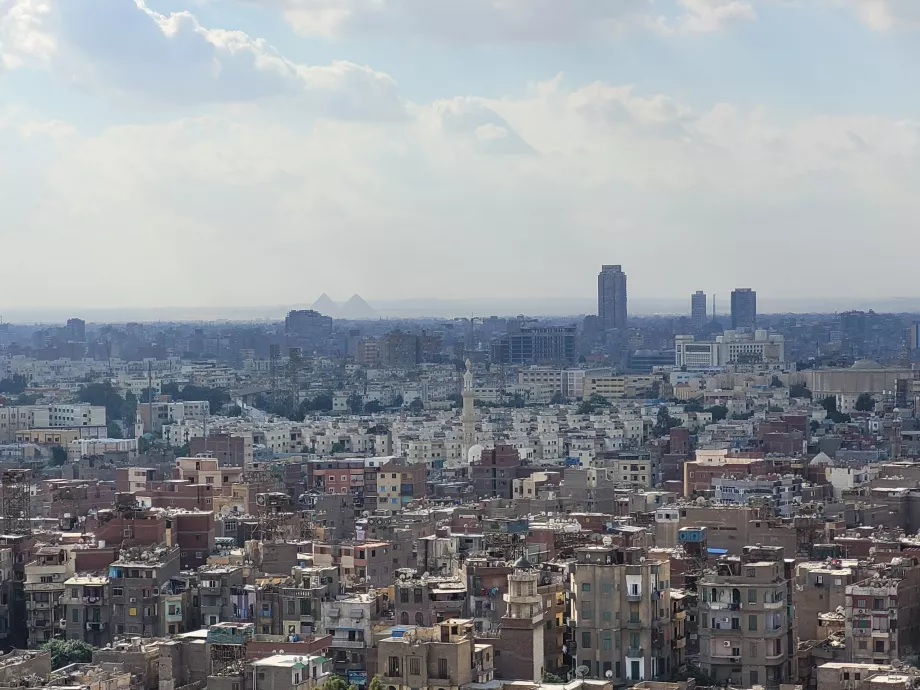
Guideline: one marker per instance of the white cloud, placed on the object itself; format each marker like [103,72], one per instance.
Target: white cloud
[502,20]
[884,15]
[528,194]
[23,35]
[126,46]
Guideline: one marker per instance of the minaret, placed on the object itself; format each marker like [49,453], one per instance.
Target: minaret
[468,418]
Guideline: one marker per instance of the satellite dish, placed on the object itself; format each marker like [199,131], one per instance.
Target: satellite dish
[607,541]
[582,671]
[260,500]
[609,674]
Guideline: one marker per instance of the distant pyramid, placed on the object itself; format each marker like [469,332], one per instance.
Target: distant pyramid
[357,309]
[324,305]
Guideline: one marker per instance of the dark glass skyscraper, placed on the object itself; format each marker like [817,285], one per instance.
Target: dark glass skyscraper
[744,309]
[611,296]
[698,308]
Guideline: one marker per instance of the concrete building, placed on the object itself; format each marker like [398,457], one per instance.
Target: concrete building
[45,579]
[820,588]
[426,601]
[136,579]
[732,347]
[289,672]
[747,628]
[783,492]
[744,309]
[881,613]
[621,613]
[88,418]
[528,342]
[88,609]
[443,657]
[611,296]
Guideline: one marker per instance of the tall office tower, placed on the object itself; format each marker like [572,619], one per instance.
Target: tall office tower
[611,296]
[698,312]
[744,308]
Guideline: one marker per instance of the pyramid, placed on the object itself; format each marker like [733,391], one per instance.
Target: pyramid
[325,306]
[357,309]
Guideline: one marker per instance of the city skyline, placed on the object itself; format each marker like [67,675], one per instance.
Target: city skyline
[221,141]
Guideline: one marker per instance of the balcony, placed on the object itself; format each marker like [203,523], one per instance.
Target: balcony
[92,601]
[635,652]
[774,605]
[95,626]
[339,643]
[632,624]
[634,596]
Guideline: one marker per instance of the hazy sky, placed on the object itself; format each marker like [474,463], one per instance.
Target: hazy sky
[233,152]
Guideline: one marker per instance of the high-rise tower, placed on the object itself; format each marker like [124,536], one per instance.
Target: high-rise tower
[698,308]
[611,296]
[744,309]
[468,418]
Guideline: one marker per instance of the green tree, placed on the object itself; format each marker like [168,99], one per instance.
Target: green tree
[15,385]
[355,403]
[664,422]
[114,430]
[66,652]
[557,399]
[718,412]
[586,407]
[26,399]
[865,403]
[337,447]
[376,683]
[335,683]
[416,406]
[695,405]
[552,678]
[322,403]
[372,407]
[398,401]
[830,405]
[599,401]
[58,456]
[776,383]
[799,390]
[103,395]
[234,411]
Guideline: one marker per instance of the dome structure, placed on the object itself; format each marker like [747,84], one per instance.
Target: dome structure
[522,564]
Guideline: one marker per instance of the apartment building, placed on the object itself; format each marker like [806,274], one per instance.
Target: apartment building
[216,586]
[442,657]
[759,347]
[350,621]
[90,418]
[746,624]
[820,588]
[137,579]
[426,601]
[152,417]
[45,579]
[399,483]
[881,613]
[290,672]
[621,613]
[88,609]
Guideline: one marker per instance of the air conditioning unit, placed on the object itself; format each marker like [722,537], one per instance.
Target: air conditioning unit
[726,643]
[132,600]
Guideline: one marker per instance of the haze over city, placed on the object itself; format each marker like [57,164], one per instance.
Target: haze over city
[250,154]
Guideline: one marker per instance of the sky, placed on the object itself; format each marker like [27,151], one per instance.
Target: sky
[253,152]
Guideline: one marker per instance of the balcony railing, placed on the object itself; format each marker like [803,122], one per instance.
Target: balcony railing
[635,651]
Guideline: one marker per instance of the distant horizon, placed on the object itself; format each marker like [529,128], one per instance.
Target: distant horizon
[434,308]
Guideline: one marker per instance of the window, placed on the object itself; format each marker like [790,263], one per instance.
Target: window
[878,604]
[442,668]
[419,618]
[418,595]
[75,616]
[606,638]
[879,645]
[404,618]
[754,678]
[606,615]
[393,666]
[585,586]
[752,649]
[752,622]
[586,639]
[415,666]
[634,640]
[752,596]
[404,596]
[607,588]
[586,609]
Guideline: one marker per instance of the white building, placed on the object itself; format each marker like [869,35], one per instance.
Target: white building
[730,348]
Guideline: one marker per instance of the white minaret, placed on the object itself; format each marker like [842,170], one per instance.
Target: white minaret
[469,413]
